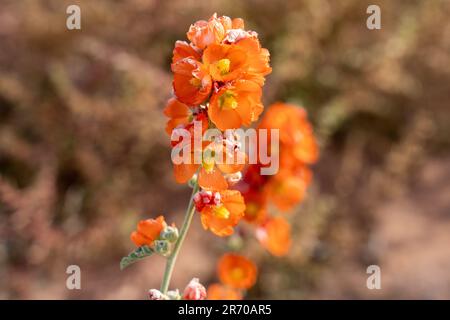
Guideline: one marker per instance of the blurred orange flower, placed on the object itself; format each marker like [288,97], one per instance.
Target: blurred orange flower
[148,231]
[222,213]
[255,207]
[217,291]
[296,135]
[235,104]
[275,236]
[236,271]
[287,188]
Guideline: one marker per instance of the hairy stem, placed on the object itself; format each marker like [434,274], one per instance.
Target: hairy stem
[176,249]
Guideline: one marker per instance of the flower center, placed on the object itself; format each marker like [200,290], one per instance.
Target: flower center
[208,162]
[237,273]
[228,101]
[223,66]
[221,212]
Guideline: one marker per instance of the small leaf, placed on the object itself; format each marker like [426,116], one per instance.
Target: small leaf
[136,255]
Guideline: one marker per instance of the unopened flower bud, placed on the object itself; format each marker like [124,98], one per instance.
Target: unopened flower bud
[170,234]
[162,247]
[194,291]
[154,294]
[206,198]
[173,295]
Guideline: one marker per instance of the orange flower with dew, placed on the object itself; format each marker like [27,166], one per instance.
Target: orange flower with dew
[235,104]
[220,211]
[287,189]
[275,236]
[204,33]
[148,231]
[191,82]
[183,50]
[217,291]
[296,134]
[236,271]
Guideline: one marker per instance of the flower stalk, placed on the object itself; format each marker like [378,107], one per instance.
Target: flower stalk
[172,258]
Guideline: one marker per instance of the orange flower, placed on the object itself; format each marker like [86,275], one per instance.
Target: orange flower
[183,50]
[221,212]
[191,83]
[275,236]
[236,271]
[210,175]
[181,115]
[257,58]
[148,231]
[225,62]
[204,33]
[286,189]
[217,291]
[296,135]
[178,112]
[235,104]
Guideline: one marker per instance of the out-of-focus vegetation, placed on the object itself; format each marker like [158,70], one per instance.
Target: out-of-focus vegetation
[83,153]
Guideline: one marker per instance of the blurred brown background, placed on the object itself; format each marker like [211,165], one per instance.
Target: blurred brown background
[84,156]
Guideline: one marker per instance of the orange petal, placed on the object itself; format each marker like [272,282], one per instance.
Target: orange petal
[219,226]
[139,239]
[183,172]
[234,166]
[234,202]
[176,109]
[183,50]
[212,181]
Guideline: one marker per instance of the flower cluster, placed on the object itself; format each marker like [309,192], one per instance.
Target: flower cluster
[236,274]
[297,149]
[217,86]
[217,81]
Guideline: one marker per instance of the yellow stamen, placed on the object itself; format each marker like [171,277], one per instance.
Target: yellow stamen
[223,66]
[221,212]
[228,101]
[208,164]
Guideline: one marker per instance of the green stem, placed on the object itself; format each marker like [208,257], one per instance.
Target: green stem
[176,249]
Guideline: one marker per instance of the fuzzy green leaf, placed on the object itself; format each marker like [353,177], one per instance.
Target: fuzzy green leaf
[138,254]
